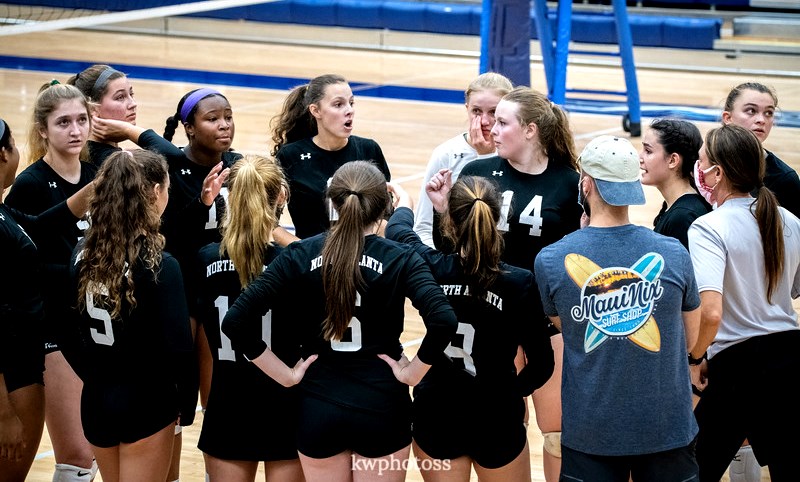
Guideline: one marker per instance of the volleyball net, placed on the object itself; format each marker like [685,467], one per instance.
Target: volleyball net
[43,15]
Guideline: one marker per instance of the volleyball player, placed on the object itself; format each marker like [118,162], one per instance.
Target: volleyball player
[241,395]
[752,105]
[197,198]
[22,311]
[129,339]
[60,128]
[480,100]
[670,149]
[469,408]
[198,193]
[347,288]
[114,114]
[536,174]
[312,138]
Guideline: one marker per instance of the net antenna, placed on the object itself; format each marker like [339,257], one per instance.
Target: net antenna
[14,23]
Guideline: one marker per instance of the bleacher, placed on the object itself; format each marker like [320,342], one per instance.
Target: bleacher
[463,17]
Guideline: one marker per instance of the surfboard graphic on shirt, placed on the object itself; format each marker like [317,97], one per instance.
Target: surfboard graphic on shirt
[618,301]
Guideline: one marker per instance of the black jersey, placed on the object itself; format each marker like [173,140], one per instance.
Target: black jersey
[309,169]
[538,209]
[241,394]
[784,182]
[99,151]
[675,221]
[490,326]
[21,305]
[148,346]
[348,372]
[188,224]
[35,190]
[217,290]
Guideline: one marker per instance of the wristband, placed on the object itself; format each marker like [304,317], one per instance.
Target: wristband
[696,361]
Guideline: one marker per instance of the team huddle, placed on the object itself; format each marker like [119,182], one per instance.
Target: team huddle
[169,276]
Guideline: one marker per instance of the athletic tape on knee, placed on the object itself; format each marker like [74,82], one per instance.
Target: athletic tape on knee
[552,443]
[72,473]
[744,466]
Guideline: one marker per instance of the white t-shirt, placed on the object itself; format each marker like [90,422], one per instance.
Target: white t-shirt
[453,154]
[726,250]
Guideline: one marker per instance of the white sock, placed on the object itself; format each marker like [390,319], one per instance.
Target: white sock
[72,473]
[744,467]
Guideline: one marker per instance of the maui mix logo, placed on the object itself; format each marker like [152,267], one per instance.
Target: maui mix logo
[618,301]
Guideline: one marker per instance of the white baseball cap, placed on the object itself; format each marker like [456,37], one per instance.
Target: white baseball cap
[614,165]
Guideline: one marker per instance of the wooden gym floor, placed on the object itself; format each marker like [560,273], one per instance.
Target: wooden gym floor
[407,131]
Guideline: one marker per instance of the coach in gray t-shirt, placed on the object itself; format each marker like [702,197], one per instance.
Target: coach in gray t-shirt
[626,301]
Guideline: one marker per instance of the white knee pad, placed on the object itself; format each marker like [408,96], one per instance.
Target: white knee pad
[552,443]
[72,473]
[178,429]
[744,467]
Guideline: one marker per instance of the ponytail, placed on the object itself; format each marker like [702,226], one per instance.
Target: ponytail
[257,186]
[359,194]
[471,224]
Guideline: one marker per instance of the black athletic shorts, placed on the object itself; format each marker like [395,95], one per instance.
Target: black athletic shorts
[125,413]
[487,427]
[326,429]
[249,417]
[25,360]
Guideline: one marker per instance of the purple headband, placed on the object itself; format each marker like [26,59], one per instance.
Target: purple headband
[193,99]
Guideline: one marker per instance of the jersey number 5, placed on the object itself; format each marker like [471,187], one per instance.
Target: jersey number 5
[105,337]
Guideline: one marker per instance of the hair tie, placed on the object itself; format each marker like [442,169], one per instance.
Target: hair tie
[476,200]
[193,99]
[101,82]
[353,193]
[54,82]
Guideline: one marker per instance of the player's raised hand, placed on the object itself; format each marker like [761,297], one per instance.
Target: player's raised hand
[482,142]
[400,197]
[112,130]
[438,189]
[213,183]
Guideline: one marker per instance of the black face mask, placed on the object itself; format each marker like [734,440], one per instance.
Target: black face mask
[582,198]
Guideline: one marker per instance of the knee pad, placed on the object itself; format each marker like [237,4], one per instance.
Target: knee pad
[552,443]
[72,473]
[744,466]
[178,429]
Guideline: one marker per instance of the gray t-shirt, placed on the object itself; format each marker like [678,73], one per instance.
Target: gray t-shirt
[620,293]
[727,255]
